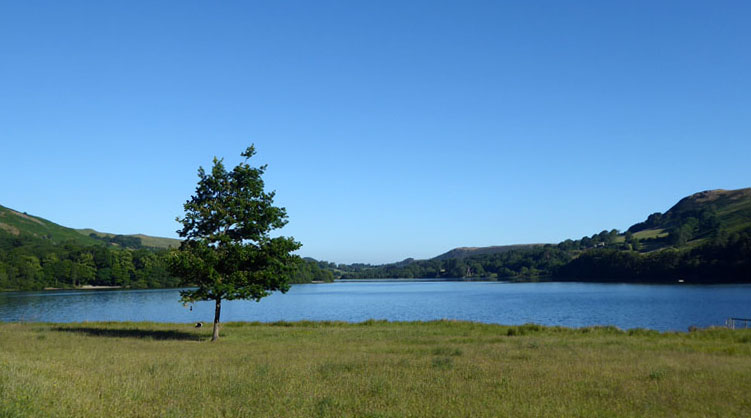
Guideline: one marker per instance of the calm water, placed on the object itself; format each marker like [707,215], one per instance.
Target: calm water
[569,304]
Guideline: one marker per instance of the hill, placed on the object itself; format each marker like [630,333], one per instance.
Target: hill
[705,237]
[14,223]
[731,208]
[696,218]
[36,253]
[132,240]
[464,252]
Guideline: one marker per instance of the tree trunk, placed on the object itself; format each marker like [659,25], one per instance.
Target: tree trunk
[217,311]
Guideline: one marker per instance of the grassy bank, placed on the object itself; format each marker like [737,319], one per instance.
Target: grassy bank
[370,369]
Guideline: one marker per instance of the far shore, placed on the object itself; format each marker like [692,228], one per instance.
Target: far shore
[92,287]
[84,287]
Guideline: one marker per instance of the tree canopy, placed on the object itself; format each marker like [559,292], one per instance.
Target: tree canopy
[227,251]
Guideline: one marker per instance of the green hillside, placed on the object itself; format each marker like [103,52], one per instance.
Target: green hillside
[14,223]
[464,252]
[733,207]
[37,254]
[696,218]
[131,240]
[705,237]
[691,221]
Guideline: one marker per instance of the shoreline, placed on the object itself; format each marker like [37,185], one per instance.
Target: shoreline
[516,329]
[418,280]
[92,287]
[84,287]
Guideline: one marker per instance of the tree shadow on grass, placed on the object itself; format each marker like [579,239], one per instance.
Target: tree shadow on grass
[132,333]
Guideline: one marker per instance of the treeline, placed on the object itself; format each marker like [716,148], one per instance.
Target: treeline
[124,241]
[30,263]
[723,259]
[603,257]
[310,271]
[523,264]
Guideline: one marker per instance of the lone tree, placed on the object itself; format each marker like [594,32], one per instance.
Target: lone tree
[227,252]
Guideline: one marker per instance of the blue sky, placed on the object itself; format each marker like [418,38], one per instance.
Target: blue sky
[391,129]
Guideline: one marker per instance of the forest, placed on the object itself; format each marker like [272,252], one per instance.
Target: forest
[30,263]
[724,258]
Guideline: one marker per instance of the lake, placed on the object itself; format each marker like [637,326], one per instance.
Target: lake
[660,307]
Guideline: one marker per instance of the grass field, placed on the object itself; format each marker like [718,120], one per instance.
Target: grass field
[651,233]
[370,369]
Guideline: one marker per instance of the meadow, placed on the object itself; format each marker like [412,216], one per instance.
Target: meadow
[373,369]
